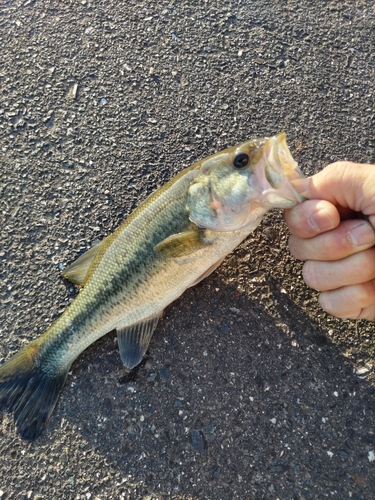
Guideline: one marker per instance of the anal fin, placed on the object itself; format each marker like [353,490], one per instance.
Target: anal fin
[76,272]
[133,340]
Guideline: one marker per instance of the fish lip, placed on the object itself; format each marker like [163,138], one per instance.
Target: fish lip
[273,173]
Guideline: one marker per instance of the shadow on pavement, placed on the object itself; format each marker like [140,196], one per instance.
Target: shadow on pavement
[231,402]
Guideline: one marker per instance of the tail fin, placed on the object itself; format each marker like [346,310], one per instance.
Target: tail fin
[29,391]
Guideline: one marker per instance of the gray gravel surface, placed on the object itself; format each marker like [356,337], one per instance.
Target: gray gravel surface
[249,390]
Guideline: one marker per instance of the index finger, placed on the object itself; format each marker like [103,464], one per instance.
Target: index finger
[311,218]
[346,184]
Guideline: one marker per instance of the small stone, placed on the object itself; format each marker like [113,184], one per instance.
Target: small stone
[209,428]
[72,94]
[240,52]
[235,310]
[362,371]
[371,456]
[198,441]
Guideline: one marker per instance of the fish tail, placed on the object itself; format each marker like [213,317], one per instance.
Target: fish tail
[30,390]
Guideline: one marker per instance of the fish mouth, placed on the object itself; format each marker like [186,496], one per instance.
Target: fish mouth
[273,173]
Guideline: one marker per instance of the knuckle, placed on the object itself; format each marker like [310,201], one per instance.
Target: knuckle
[337,165]
[366,293]
[294,246]
[338,169]
[310,274]
[332,302]
[367,313]
[326,303]
[295,218]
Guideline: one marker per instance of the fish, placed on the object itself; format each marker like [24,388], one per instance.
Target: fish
[177,237]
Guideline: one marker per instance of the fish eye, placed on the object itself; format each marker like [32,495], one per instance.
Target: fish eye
[241,160]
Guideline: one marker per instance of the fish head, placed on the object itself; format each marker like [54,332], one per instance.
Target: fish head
[233,189]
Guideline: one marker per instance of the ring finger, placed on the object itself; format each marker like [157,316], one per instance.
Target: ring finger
[357,268]
[352,302]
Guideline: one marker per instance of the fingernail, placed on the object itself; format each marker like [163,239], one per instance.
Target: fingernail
[361,235]
[321,221]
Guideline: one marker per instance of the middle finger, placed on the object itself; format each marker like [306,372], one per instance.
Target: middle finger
[350,237]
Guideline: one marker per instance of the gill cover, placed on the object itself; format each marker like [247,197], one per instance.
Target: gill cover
[236,187]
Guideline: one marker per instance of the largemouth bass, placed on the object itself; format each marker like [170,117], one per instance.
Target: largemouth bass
[174,239]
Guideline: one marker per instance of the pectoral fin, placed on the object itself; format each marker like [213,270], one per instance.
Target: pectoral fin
[181,244]
[133,341]
[76,272]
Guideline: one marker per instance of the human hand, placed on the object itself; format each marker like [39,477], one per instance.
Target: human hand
[333,232]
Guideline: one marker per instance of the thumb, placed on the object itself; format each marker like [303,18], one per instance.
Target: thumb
[347,184]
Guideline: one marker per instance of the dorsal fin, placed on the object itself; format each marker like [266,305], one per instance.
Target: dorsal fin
[133,340]
[76,272]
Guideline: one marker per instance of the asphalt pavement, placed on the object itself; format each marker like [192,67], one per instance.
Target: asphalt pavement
[249,390]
